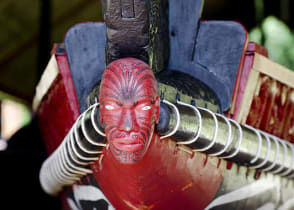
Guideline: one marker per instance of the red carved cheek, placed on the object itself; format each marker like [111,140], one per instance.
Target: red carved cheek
[109,119]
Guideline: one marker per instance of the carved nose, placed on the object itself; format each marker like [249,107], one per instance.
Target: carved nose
[127,125]
[127,121]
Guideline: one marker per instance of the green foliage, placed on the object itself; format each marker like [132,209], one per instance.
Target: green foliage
[278,39]
[25,115]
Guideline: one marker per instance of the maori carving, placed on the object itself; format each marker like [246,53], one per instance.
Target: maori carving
[140,148]
[129,108]
[127,29]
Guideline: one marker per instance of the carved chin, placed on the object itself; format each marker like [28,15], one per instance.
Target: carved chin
[127,157]
[128,153]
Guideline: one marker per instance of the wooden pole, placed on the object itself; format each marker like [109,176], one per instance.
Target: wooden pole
[44,36]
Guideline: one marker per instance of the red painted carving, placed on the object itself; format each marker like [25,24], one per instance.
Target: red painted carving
[165,178]
[162,178]
[129,108]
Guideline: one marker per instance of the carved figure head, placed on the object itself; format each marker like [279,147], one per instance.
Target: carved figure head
[129,108]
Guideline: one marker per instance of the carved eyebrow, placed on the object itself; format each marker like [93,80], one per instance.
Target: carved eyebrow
[143,101]
[145,96]
[112,100]
[118,103]
[110,96]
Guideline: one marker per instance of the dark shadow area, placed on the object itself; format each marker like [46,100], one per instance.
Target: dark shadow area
[20,164]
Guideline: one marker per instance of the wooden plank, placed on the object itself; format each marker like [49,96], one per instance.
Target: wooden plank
[252,47]
[273,70]
[48,77]
[248,96]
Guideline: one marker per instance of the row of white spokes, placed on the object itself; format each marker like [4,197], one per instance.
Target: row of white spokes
[78,150]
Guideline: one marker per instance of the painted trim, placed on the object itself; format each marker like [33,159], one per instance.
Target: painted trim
[47,79]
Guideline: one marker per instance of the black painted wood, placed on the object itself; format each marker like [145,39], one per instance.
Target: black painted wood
[159,35]
[127,29]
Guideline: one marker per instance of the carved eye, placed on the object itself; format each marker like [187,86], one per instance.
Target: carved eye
[109,107]
[146,108]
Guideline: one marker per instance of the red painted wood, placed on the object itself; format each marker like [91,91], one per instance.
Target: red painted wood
[245,71]
[166,178]
[239,72]
[260,102]
[59,108]
[254,47]
[64,69]
[274,110]
[288,128]
[271,109]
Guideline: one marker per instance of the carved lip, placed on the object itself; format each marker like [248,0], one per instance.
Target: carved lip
[127,144]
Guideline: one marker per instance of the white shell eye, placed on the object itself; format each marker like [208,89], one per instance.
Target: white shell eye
[109,107]
[146,108]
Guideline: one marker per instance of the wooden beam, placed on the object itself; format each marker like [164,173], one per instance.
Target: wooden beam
[273,70]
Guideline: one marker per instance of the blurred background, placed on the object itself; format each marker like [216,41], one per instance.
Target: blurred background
[30,27]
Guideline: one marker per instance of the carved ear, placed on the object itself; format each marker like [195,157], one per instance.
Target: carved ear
[157,109]
[164,118]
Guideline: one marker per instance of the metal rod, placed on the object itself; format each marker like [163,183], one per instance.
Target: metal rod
[225,138]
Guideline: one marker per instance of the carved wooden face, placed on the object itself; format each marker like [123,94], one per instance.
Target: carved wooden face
[129,108]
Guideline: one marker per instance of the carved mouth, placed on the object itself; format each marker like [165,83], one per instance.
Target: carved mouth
[127,147]
[128,143]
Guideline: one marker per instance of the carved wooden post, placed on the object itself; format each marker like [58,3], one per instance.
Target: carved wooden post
[127,31]
[136,28]
[159,39]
